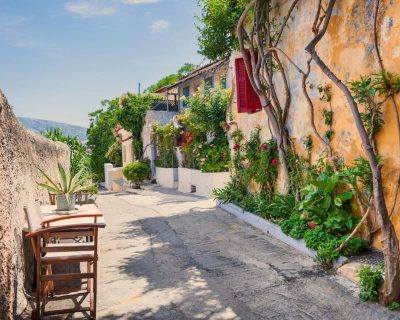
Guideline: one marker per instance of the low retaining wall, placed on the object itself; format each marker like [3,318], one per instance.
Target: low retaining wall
[167,177]
[202,182]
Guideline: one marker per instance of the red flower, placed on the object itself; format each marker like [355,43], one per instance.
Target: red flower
[236,147]
[264,147]
[274,161]
[312,225]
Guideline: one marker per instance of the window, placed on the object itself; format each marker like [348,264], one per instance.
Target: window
[185,94]
[222,82]
[209,83]
[247,99]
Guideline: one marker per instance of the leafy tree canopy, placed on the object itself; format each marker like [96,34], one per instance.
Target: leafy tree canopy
[101,135]
[78,157]
[216,27]
[172,78]
[132,115]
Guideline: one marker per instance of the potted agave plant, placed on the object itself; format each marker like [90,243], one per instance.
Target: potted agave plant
[66,188]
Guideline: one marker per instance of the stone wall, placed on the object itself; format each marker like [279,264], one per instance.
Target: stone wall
[348,49]
[21,152]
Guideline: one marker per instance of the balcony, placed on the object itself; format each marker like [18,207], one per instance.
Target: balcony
[165,105]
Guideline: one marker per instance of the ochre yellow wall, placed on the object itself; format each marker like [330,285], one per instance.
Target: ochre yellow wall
[348,49]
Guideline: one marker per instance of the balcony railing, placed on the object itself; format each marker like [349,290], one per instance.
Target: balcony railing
[163,105]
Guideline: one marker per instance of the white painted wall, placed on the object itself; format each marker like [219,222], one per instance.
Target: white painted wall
[167,177]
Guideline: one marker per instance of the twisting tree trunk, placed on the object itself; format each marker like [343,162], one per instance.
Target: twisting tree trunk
[391,287]
[258,48]
[392,98]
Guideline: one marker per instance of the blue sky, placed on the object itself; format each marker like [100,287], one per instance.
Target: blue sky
[60,58]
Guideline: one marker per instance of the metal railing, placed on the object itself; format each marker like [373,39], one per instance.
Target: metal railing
[164,105]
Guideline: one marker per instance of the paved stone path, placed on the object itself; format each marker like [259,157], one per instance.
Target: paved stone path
[166,255]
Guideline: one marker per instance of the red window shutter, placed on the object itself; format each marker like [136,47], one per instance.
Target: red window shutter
[247,98]
[241,84]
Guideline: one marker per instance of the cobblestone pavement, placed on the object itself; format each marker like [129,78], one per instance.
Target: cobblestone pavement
[167,255]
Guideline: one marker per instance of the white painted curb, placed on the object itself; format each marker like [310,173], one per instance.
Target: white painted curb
[267,227]
[275,231]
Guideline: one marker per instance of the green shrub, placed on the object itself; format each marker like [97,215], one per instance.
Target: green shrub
[294,226]
[354,246]
[282,206]
[340,222]
[394,306]
[326,252]
[371,279]
[233,192]
[136,172]
[248,203]
[321,199]
[164,138]
[315,237]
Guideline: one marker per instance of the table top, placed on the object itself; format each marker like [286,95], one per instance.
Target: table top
[49,212]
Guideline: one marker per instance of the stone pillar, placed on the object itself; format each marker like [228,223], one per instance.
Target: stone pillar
[107,175]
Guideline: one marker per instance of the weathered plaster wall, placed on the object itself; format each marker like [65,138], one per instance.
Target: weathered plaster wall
[21,152]
[348,50]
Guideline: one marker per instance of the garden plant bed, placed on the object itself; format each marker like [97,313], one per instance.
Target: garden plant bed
[274,230]
[167,177]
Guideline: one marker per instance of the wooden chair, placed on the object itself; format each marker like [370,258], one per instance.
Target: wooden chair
[48,250]
[52,198]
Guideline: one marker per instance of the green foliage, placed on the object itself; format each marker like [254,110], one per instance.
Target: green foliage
[261,162]
[394,306]
[164,138]
[366,92]
[317,236]
[308,143]
[101,136]
[354,246]
[172,78]
[131,117]
[217,24]
[79,156]
[67,184]
[325,93]
[294,226]
[327,253]
[339,221]
[136,171]
[248,203]
[114,154]
[360,172]
[278,208]
[328,116]
[371,279]
[322,199]
[233,192]
[206,146]
[213,156]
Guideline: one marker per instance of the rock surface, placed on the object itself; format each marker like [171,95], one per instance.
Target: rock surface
[21,152]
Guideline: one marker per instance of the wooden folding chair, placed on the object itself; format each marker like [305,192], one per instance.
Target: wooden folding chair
[49,251]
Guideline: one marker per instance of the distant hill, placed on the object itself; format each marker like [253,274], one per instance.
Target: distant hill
[38,125]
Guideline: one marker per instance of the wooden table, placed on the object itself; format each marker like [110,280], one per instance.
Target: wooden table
[49,212]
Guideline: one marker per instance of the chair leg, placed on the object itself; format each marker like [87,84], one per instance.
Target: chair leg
[95,288]
[38,288]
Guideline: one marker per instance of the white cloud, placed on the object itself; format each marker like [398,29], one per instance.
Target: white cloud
[89,9]
[159,25]
[139,1]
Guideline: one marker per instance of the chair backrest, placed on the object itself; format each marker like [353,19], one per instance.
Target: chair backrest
[52,198]
[34,217]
